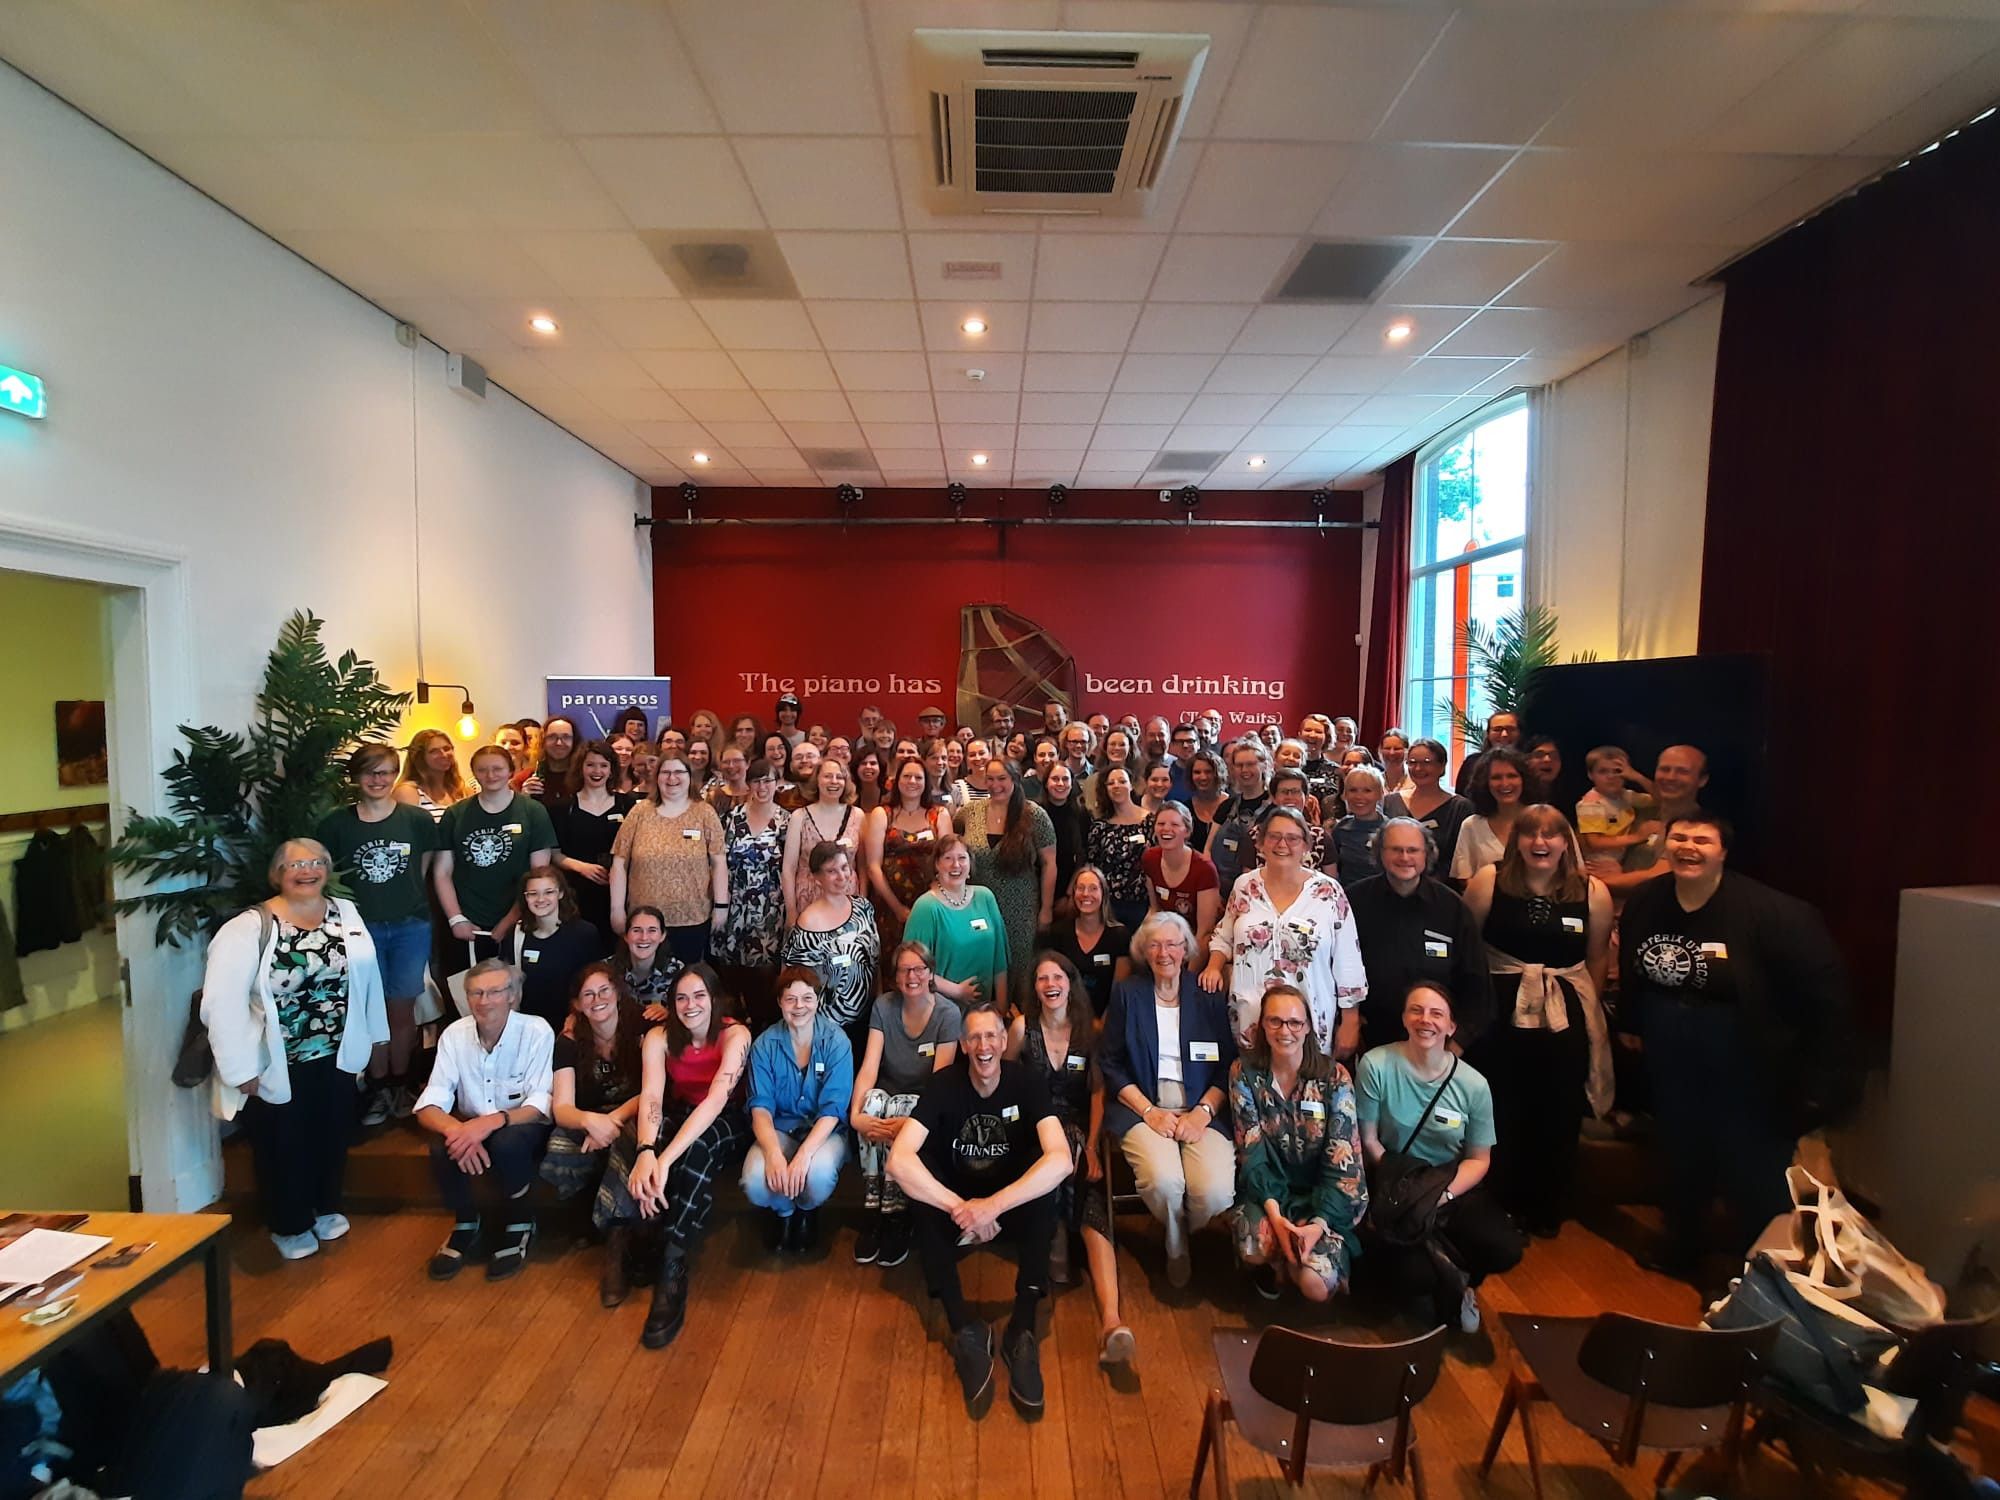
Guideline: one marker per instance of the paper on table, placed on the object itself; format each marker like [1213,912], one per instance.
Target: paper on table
[42,1253]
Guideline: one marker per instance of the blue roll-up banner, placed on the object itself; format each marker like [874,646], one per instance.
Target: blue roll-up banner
[594,703]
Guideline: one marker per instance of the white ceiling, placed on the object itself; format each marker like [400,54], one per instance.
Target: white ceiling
[1561,169]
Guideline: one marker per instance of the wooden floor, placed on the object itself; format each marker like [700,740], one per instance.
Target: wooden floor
[822,1377]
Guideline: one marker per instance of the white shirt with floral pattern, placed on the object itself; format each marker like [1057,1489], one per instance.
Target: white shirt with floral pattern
[1311,944]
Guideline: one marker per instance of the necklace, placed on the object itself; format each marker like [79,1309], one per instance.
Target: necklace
[956,903]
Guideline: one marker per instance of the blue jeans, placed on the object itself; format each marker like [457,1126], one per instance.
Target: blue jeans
[820,1176]
[402,950]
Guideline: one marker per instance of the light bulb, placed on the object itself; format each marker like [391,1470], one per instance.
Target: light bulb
[979,459]
[468,727]
[542,323]
[974,325]
[1400,331]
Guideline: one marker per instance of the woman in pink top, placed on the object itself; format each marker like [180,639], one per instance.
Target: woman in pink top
[1181,879]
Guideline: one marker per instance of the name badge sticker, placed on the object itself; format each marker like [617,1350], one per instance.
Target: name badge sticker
[1010,1112]
[513,828]
[1229,844]
[1074,1062]
[1135,838]
[1435,949]
[690,833]
[1572,924]
[927,1049]
[842,960]
[400,848]
[1314,1108]
[532,956]
[1166,892]
[819,1068]
[1450,1119]
[1103,960]
[924,836]
[1715,950]
[614,817]
[979,924]
[1204,1052]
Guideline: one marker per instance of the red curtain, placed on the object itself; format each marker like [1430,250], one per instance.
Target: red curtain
[1389,610]
[1853,528]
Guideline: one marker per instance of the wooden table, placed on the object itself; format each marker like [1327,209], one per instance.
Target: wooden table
[179,1239]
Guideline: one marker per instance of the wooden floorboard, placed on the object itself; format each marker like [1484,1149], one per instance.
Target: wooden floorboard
[815,1376]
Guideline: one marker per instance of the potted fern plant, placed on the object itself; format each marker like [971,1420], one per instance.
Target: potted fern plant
[235,797]
[1504,659]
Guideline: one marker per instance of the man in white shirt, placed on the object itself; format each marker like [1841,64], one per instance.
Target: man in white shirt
[488,1103]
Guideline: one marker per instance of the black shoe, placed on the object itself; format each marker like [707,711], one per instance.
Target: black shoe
[642,1263]
[777,1231]
[613,1284]
[1545,1229]
[511,1254]
[868,1244]
[669,1310]
[1024,1372]
[456,1250]
[1266,1281]
[791,1233]
[895,1240]
[972,1353]
[805,1231]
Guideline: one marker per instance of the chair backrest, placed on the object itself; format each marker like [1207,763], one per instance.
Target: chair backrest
[1347,1384]
[1670,1365]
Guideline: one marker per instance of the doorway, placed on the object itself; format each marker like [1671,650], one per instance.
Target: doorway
[62,1066]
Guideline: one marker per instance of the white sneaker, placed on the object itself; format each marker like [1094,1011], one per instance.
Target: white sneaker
[296,1246]
[1180,1269]
[376,1112]
[330,1226]
[1468,1311]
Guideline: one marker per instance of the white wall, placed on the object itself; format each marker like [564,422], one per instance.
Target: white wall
[219,406]
[1621,492]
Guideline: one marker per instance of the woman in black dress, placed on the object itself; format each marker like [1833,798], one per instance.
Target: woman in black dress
[586,825]
[1547,929]
[1091,938]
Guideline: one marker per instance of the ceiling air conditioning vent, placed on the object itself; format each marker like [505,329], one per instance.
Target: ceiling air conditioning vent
[1340,271]
[1052,122]
[1185,461]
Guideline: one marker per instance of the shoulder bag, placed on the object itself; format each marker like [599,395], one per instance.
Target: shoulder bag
[1403,1199]
[194,1063]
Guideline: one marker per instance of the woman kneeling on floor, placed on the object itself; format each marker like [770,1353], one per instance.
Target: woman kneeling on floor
[801,1084]
[1300,1188]
[694,1066]
[595,1098]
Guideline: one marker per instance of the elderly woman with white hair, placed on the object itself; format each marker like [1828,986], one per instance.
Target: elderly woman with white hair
[1165,1053]
[293,1004]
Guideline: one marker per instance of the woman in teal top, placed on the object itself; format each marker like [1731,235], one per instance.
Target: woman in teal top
[1300,1187]
[960,923]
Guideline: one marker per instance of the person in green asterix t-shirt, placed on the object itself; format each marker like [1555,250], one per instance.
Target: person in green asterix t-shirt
[490,842]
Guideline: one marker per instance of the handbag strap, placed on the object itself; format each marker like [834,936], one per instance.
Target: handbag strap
[1839,1370]
[1417,1129]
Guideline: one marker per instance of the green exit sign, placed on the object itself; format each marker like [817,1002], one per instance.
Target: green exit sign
[22,394]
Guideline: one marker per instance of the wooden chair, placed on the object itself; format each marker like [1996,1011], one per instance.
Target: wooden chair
[1631,1384]
[1117,1201]
[1316,1403]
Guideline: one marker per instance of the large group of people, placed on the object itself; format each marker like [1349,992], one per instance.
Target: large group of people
[1351,1006]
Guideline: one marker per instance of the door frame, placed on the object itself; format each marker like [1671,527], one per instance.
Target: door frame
[171,1135]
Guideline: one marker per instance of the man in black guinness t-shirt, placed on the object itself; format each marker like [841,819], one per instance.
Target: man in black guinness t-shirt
[1741,999]
[982,1157]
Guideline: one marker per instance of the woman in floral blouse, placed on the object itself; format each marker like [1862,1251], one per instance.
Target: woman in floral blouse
[753,837]
[1300,1188]
[1289,924]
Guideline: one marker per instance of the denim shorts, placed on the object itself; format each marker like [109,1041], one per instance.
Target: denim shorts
[402,952]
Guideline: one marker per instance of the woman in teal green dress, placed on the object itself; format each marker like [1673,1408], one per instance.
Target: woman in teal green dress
[960,924]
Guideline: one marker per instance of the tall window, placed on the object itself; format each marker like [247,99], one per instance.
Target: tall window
[1468,528]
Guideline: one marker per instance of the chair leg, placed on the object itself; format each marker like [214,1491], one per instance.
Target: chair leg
[1417,1474]
[1368,1484]
[1509,1399]
[1667,1466]
[1201,1444]
[1534,1449]
[1223,1488]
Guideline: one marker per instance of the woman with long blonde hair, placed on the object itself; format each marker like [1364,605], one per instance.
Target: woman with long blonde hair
[431,776]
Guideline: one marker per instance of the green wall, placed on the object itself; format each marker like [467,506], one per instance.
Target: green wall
[51,646]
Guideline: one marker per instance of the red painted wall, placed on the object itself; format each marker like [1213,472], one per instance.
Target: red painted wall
[850,616]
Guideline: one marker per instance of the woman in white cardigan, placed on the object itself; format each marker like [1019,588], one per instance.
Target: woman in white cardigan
[293,1005]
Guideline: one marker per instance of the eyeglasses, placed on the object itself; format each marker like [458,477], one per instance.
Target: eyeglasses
[1285,840]
[296,865]
[910,971]
[1284,1023]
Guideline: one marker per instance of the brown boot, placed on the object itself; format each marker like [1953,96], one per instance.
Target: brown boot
[611,1283]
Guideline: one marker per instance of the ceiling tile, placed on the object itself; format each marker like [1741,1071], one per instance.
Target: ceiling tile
[892,406]
[1163,372]
[520,182]
[1097,267]
[1391,411]
[640,405]
[1072,406]
[1207,435]
[724,406]
[1015,254]
[1602,275]
[1144,408]
[1229,408]
[649,323]
[992,437]
[894,371]
[943,326]
[866,325]
[471,264]
[824,434]
[906,435]
[1081,327]
[1110,479]
[953,372]
[601,69]
[666,435]
[1316,411]
[1132,437]
[808,183]
[807,405]
[1370,335]
[1342,375]
[1273,438]
[847,264]
[1293,330]
[1221,268]
[1443,375]
[820,81]
[1052,435]
[752,324]
[1494,78]
[1320,73]
[612,264]
[692,370]
[668,183]
[1267,184]
[1274,373]
[976,406]
[1465,272]
[1188,327]
[1408,190]
[744,438]
[928,455]
[1070,372]
[1617,195]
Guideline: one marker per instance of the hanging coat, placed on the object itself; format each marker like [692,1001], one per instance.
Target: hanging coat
[44,895]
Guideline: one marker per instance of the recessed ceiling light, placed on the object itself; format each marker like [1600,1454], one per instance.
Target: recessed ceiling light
[974,325]
[1400,331]
[979,458]
[1256,463]
[701,458]
[543,323]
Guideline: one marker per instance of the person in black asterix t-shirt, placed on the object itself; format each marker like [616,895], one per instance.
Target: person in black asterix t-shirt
[1741,999]
[982,1157]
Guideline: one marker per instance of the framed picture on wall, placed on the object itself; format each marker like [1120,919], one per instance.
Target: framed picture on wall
[81,756]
